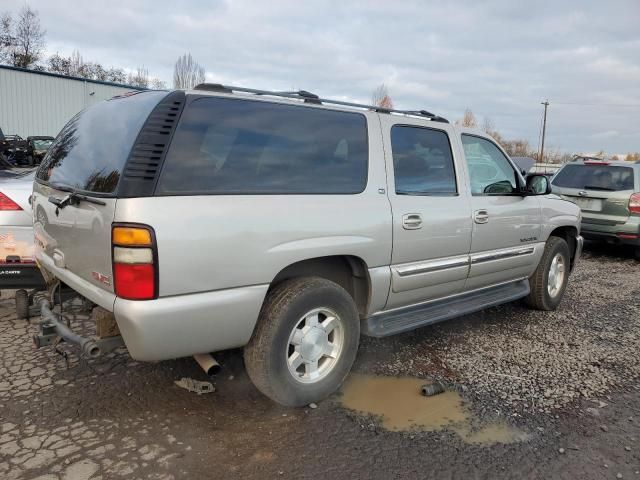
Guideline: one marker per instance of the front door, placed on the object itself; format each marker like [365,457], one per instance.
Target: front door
[431,212]
[506,225]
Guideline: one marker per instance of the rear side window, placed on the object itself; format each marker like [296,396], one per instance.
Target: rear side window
[609,178]
[89,153]
[230,146]
[422,161]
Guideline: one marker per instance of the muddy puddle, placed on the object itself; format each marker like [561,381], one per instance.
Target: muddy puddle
[400,406]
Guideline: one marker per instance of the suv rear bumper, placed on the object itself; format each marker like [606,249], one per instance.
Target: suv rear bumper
[627,233]
[174,326]
[180,326]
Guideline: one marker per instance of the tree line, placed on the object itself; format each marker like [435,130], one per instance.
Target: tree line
[22,44]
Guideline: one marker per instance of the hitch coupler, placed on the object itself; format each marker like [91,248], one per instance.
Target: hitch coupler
[52,327]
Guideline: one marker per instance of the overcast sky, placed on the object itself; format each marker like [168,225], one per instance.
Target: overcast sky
[499,58]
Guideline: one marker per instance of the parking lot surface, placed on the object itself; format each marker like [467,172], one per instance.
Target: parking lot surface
[530,395]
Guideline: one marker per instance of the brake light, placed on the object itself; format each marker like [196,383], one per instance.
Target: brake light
[595,162]
[7,204]
[634,203]
[134,262]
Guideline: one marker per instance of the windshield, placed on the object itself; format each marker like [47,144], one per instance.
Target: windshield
[609,178]
[42,144]
[90,152]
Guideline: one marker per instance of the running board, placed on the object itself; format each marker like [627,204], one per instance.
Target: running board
[415,316]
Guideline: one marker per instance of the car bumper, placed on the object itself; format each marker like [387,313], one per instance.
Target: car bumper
[175,326]
[627,233]
[180,326]
[20,275]
[618,239]
[17,266]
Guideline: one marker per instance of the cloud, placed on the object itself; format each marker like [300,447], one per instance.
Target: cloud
[500,58]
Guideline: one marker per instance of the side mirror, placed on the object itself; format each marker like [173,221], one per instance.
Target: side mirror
[538,185]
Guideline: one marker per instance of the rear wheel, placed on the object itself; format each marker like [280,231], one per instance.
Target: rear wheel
[549,281]
[305,341]
[637,253]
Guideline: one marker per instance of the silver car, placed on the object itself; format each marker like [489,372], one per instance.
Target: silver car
[18,269]
[287,224]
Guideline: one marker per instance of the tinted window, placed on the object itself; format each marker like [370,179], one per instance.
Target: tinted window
[595,177]
[229,146]
[422,161]
[89,153]
[490,171]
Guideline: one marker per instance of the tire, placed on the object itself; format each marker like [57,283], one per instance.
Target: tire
[637,253]
[273,351]
[544,296]
[22,304]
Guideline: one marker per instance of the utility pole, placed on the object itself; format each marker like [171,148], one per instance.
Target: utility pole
[544,129]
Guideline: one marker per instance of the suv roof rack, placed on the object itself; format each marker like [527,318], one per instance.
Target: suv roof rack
[309,97]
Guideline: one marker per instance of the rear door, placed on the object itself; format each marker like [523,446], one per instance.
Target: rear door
[601,191]
[506,225]
[431,211]
[88,157]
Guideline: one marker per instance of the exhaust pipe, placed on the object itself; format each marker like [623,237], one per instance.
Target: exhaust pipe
[89,347]
[208,363]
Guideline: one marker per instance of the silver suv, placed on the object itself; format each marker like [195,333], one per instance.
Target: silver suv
[287,224]
[608,192]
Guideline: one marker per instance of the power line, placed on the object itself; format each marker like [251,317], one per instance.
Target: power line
[581,104]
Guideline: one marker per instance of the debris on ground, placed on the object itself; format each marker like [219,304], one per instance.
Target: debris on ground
[195,386]
[431,389]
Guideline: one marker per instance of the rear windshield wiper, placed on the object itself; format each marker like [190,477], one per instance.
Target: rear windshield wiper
[73,197]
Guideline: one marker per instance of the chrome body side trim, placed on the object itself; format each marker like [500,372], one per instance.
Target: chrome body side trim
[432,266]
[500,254]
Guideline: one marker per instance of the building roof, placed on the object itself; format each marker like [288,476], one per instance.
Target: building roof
[66,77]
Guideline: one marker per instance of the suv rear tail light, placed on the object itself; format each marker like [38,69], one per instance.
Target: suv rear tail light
[634,203]
[7,204]
[135,269]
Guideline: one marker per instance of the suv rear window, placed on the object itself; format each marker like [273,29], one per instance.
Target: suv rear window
[231,146]
[89,153]
[595,177]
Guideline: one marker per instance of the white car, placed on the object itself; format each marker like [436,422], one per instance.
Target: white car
[18,269]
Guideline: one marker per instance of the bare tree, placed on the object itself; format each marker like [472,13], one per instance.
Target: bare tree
[6,37]
[140,78]
[76,65]
[187,73]
[381,98]
[157,84]
[487,125]
[28,39]
[468,120]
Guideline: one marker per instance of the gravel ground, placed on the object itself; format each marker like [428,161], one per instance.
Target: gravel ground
[569,380]
[536,362]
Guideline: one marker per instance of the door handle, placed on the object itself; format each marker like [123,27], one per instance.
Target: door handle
[411,221]
[481,216]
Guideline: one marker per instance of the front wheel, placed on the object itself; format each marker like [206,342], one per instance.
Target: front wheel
[305,341]
[549,281]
